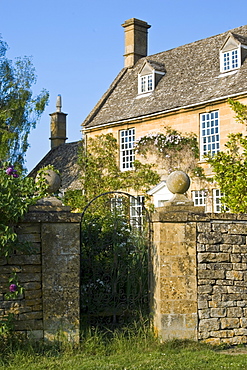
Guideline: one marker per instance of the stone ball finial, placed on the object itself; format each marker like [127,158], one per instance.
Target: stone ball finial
[178,182]
[53,180]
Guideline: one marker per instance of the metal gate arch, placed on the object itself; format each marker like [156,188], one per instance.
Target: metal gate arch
[115,260]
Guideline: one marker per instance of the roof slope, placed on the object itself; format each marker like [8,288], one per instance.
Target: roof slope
[192,77]
[64,158]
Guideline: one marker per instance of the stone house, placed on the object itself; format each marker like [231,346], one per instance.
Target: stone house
[186,88]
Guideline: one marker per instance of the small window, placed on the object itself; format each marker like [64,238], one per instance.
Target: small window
[199,197]
[149,76]
[216,200]
[232,52]
[146,83]
[230,60]
[136,211]
[209,133]
[218,206]
[127,153]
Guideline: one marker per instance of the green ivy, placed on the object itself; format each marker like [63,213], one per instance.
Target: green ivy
[173,150]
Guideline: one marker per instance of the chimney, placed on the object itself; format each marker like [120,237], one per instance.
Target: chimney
[58,125]
[135,41]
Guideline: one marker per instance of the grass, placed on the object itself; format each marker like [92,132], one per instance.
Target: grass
[128,349]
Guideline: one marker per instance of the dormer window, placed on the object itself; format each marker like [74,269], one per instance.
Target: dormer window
[146,83]
[231,60]
[232,53]
[149,76]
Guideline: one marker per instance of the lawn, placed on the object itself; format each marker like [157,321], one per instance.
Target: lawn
[119,351]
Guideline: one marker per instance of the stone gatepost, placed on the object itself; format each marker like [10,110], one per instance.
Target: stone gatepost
[60,258]
[60,261]
[174,263]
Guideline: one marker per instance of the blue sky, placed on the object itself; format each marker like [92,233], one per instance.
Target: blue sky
[77,46]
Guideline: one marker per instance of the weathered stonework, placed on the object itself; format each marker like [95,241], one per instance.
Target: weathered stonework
[222,279]
[200,279]
[175,286]
[49,274]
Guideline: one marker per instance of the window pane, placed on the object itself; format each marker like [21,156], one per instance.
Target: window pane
[211,134]
[127,155]
[199,197]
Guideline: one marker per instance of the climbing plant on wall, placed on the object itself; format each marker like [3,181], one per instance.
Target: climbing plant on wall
[174,151]
[100,172]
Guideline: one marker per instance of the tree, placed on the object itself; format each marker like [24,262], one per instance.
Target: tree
[100,172]
[19,109]
[19,112]
[230,166]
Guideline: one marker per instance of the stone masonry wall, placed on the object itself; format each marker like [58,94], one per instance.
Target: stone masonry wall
[49,274]
[28,308]
[200,276]
[222,279]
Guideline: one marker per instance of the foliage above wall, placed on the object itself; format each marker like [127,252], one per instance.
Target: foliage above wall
[17,193]
[100,172]
[230,166]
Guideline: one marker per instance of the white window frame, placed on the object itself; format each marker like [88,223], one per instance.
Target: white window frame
[136,210]
[127,152]
[217,206]
[199,197]
[146,83]
[230,60]
[209,133]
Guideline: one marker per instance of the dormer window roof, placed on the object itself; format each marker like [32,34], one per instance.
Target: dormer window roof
[149,76]
[233,52]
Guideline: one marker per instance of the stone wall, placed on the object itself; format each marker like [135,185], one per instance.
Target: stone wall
[50,275]
[200,276]
[28,308]
[222,279]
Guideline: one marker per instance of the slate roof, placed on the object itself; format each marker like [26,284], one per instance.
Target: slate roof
[192,77]
[64,158]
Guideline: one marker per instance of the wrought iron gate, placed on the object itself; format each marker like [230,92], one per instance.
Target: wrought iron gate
[115,238]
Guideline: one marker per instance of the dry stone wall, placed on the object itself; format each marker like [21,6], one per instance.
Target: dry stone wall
[27,308]
[222,279]
[200,275]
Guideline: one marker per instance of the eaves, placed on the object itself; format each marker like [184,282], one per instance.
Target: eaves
[161,114]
